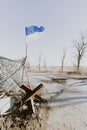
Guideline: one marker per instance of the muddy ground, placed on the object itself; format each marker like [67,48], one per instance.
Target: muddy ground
[66,106]
[25,119]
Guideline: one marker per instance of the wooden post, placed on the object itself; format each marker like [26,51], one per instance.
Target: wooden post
[32,103]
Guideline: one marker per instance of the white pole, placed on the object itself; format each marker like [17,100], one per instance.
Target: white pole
[26,49]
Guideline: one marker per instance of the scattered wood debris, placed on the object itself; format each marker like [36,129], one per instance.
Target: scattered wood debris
[26,113]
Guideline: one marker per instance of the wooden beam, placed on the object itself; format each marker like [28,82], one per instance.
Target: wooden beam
[28,91]
[32,103]
[25,88]
[30,94]
[34,92]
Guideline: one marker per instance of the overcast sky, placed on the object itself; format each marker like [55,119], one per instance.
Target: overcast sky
[64,20]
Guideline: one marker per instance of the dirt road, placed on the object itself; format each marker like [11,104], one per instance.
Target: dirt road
[67,108]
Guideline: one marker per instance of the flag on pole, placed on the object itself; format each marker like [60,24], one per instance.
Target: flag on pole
[33,33]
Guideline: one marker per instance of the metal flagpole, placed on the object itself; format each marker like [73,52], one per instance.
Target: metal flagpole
[26,60]
[25,63]
[26,49]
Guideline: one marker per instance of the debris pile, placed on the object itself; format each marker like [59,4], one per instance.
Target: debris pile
[20,106]
[28,112]
[25,121]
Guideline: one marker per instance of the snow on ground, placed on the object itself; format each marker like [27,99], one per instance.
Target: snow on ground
[67,108]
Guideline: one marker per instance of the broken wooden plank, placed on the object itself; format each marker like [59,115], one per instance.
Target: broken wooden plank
[2,94]
[32,103]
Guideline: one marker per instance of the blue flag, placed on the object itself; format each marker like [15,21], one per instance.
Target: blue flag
[33,29]
[33,32]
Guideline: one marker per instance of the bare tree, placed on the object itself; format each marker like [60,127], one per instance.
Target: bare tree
[39,62]
[44,66]
[63,59]
[80,47]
